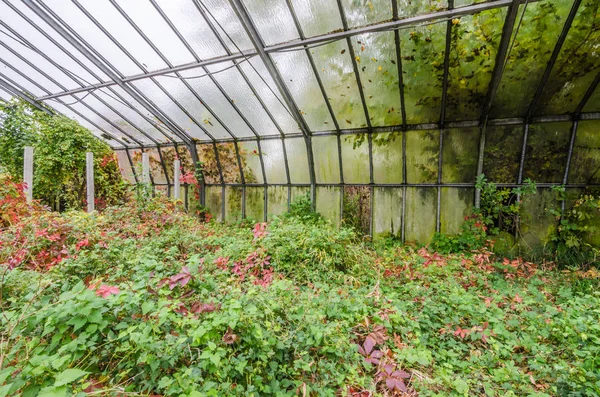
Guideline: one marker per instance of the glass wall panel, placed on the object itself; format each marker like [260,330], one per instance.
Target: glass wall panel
[328,203]
[213,202]
[546,155]
[474,44]
[387,157]
[422,51]
[502,153]
[276,201]
[459,155]
[585,163]
[272,151]
[210,169]
[297,160]
[355,158]
[456,204]
[229,162]
[273,20]
[337,73]
[422,153]
[251,162]
[255,201]
[421,209]
[169,156]
[376,57]
[538,224]
[357,208]
[136,160]
[326,157]
[387,212]
[361,13]
[298,191]
[233,204]
[576,66]
[530,53]
[156,168]
[317,16]
[593,104]
[124,165]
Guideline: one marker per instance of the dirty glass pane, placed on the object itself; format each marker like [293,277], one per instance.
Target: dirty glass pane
[422,51]
[317,16]
[210,169]
[546,155]
[255,209]
[124,165]
[387,157]
[325,153]
[296,71]
[593,104]
[502,153]
[422,152]
[456,204]
[421,209]
[276,200]
[169,156]
[576,66]
[136,160]
[376,58]
[187,165]
[299,191]
[474,44]
[459,155]
[585,163]
[387,212]
[408,8]
[527,61]
[272,150]
[229,162]
[337,73]
[361,13]
[156,168]
[273,20]
[538,224]
[328,203]
[222,11]
[233,204]
[297,160]
[213,202]
[355,158]
[250,158]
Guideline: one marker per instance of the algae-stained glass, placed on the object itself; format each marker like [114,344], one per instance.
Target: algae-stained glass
[459,155]
[355,159]
[502,153]
[326,157]
[585,163]
[546,153]
[422,154]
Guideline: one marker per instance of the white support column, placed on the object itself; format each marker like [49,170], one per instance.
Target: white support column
[176,177]
[28,173]
[89,164]
[145,168]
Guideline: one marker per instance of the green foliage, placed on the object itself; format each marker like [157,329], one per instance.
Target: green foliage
[472,236]
[301,208]
[18,131]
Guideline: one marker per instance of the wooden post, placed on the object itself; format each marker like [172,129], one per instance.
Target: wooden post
[145,168]
[89,165]
[28,173]
[176,177]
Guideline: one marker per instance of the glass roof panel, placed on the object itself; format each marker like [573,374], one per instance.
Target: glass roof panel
[376,57]
[9,74]
[5,95]
[223,18]
[193,27]
[273,20]
[317,17]
[296,71]
[218,102]
[366,12]
[77,20]
[336,70]
[10,61]
[170,108]
[422,52]
[593,104]
[42,43]
[408,8]
[474,45]
[576,66]
[233,83]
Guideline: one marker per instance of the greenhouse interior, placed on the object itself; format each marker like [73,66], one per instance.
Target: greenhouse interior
[299,198]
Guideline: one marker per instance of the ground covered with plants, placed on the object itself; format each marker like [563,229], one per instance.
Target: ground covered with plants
[143,299]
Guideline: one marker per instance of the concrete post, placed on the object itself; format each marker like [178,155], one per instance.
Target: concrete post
[28,173]
[145,168]
[176,177]
[89,165]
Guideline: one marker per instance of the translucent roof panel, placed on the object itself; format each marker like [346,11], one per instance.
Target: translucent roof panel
[408,8]
[11,65]
[222,17]
[317,17]
[577,64]
[18,81]
[273,20]
[5,94]
[361,13]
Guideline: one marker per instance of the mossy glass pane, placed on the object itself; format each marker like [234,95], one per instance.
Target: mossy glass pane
[328,203]
[422,51]
[276,200]
[251,162]
[355,159]
[376,60]
[421,209]
[337,73]
[455,205]
[546,154]
[387,158]
[213,202]
[272,151]
[297,160]
[255,204]
[297,191]
[459,155]
[576,66]
[593,104]
[537,224]
[325,152]
[474,44]
[422,153]
[502,153]
[387,212]
[585,163]
[233,204]
[366,12]
[229,162]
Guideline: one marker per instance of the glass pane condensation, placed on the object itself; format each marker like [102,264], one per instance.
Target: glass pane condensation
[317,17]
[297,160]
[576,66]
[251,162]
[585,163]
[474,44]
[298,75]
[376,59]
[387,158]
[214,198]
[546,155]
[328,203]
[272,151]
[337,73]
[233,204]
[460,151]
[422,52]
[422,152]
[355,158]
[273,20]
[325,153]
[502,153]
[529,56]
[366,12]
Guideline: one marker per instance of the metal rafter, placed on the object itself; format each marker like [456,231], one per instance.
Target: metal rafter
[21,94]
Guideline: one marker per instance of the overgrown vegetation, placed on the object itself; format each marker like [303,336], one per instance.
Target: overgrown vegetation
[150,301]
